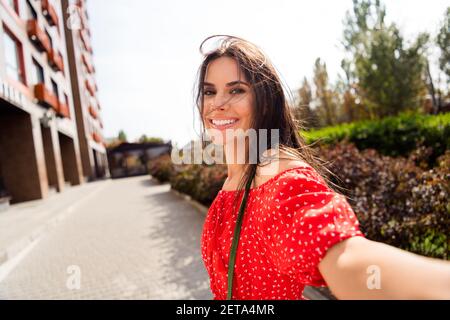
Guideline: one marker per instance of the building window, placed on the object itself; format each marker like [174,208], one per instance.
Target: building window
[49,38]
[38,74]
[55,88]
[14,4]
[13,57]
[66,99]
[31,12]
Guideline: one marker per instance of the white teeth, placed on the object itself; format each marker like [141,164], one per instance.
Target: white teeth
[223,122]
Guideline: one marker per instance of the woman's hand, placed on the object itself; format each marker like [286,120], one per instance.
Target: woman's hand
[358,268]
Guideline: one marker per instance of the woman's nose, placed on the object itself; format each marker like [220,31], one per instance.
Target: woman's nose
[220,100]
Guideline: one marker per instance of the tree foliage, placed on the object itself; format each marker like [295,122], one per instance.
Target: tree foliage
[443,42]
[122,136]
[325,97]
[388,73]
[145,139]
[303,112]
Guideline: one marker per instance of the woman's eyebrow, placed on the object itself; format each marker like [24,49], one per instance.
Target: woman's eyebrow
[229,84]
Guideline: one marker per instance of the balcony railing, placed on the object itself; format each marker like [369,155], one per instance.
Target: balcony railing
[96,137]
[92,112]
[55,60]
[88,66]
[89,87]
[49,13]
[37,36]
[46,97]
[85,41]
[63,110]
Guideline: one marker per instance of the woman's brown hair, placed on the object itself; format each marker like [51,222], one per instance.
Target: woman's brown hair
[271,109]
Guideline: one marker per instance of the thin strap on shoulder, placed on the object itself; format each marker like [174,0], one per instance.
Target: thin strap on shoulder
[237,231]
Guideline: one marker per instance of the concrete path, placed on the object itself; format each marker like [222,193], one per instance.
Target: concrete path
[115,239]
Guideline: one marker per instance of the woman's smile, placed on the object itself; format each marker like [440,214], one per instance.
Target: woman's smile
[222,124]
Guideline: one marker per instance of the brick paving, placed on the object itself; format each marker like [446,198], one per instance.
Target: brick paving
[132,239]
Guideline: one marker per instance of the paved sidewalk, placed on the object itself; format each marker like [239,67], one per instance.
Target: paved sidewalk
[23,223]
[124,239]
[121,239]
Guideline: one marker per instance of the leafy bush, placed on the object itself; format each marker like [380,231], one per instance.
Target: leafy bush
[161,167]
[211,180]
[201,182]
[392,136]
[396,201]
[185,178]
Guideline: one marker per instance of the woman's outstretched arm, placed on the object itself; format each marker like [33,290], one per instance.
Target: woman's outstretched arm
[358,268]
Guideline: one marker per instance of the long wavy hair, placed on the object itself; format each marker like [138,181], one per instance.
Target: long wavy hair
[270,110]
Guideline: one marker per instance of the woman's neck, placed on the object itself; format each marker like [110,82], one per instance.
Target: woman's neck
[236,160]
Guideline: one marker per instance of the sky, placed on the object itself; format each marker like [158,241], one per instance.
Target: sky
[146,52]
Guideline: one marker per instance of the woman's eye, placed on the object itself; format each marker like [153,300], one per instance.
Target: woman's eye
[208,92]
[238,90]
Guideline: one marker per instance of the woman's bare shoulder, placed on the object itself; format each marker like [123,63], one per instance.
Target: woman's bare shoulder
[273,168]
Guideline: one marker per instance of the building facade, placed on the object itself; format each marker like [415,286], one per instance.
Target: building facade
[40,141]
[84,87]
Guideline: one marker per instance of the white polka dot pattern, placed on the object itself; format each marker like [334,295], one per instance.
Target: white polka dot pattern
[289,224]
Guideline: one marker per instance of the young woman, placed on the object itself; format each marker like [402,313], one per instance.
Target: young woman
[293,229]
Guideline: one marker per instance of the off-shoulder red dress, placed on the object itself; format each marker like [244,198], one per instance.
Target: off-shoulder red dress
[290,222]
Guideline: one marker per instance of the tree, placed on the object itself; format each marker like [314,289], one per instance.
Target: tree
[122,136]
[347,102]
[434,87]
[435,94]
[145,139]
[302,111]
[351,107]
[389,75]
[443,42]
[325,98]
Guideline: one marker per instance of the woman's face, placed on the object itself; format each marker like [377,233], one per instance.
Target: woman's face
[227,100]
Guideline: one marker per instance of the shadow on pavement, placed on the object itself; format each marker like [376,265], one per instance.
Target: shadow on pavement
[180,230]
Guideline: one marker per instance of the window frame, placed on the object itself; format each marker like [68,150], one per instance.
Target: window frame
[32,10]
[19,55]
[49,37]
[55,87]
[15,6]
[36,66]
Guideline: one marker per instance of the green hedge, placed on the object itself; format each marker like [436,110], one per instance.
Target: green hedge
[161,167]
[392,136]
[201,182]
[396,200]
